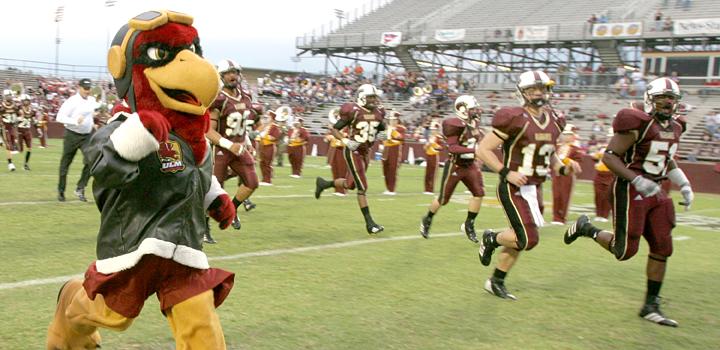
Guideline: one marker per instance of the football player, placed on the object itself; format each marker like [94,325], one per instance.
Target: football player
[9,111]
[562,186]
[641,154]
[230,116]
[461,133]
[298,137]
[365,123]
[528,135]
[26,120]
[392,152]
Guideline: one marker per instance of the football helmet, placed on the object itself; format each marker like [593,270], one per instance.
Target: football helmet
[661,98]
[534,78]
[365,91]
[227,66]
[467,107]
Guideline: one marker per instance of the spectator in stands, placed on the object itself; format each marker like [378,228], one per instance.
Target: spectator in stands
[638,81]
[591,21]
[674,77]
[622,86]
[668,24]
[603,18]
[359,70]
[658,20]
[620,72]
[712,123]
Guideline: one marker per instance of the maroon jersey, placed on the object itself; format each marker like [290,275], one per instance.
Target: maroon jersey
[236,115]
[461,137]
[529,143]
[9,112]
[26,119]
[656,144]
[363,124]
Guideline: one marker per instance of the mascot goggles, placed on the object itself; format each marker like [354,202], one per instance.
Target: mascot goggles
[153,19]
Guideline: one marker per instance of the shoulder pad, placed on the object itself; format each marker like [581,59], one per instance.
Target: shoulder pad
[682,120]
[630,119]
[507,119]
[347,108]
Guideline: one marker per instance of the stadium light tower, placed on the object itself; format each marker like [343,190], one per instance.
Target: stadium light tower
[108,5]
[340,14]
[58,18]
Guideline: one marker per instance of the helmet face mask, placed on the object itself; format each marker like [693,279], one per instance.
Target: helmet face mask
[229,73]
[537,96]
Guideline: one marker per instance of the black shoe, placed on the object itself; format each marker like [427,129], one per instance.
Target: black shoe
[487,247]
[61,196]
[236,223]
[496,287]
[318,187]
[425,226]
[248,205]
[469,232]
[26,167]
[207,238]
[580,228]
[651,312]
[81,195]
[373,228]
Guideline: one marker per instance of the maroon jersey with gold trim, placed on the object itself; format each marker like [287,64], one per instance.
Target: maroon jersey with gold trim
[656,144]
[26,118]
[236,115]
[461,137]
[8,112]
[529,143]
[363,124]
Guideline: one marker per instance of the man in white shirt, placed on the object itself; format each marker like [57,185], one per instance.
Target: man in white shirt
[77,114]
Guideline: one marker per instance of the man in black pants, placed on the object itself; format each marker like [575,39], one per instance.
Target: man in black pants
[77,115]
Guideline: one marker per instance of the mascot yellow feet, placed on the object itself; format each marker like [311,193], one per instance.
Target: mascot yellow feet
[63,334]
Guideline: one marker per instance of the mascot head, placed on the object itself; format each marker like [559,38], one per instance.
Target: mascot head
[156,63]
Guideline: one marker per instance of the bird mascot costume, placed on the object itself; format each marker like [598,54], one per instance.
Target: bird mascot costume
[153,185]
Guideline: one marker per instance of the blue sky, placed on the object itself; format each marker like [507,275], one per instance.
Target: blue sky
[253,33]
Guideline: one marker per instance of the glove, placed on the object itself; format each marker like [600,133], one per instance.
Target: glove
[351,144]
[222,210]
[156,123]
[647,188]
[688,196]
[381,135]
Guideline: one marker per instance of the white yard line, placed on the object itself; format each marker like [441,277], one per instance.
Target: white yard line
[261,253]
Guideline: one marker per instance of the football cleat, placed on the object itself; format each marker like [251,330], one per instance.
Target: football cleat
[81,195]
[26,167]
[580,228]
[469,231]
[497,288]
[374,228]
[425,226]
[236,223]
[487,246]
[318,187]
[651,312]
[207,238]
[11,166]
[248,205]
[61,196]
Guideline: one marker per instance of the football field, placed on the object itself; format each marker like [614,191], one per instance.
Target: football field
[308,276]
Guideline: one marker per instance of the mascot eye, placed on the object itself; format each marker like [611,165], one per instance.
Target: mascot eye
[157,54]
[192,48]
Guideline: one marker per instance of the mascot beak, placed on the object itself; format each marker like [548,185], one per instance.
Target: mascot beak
[186,84]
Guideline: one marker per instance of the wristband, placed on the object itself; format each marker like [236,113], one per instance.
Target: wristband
[504,172]
[563,171]
[225,143]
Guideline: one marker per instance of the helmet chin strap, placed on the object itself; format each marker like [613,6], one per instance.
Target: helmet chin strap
[229,85]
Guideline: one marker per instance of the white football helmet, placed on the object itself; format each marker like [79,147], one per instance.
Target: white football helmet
[463,105]
[226,65]
[662,87]
[364,91]
[534,78]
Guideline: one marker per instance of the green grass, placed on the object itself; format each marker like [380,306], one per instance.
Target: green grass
[391,294]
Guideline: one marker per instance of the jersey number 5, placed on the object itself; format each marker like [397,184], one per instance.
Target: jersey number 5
[656,163]
[528,152]
[366,131]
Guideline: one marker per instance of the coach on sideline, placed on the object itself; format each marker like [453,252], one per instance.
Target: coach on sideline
[77,115]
